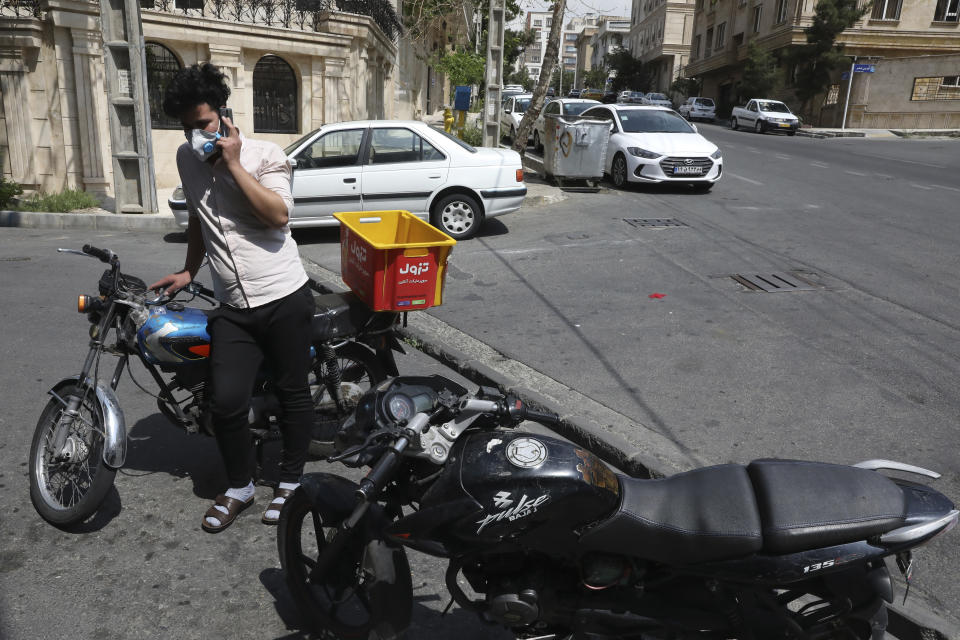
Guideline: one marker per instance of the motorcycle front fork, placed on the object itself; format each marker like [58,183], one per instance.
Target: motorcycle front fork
[60,446]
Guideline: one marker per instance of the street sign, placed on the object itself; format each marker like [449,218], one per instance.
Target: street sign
[864,68]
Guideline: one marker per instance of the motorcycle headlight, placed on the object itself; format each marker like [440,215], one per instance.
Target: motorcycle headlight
[717,155]
[642,153]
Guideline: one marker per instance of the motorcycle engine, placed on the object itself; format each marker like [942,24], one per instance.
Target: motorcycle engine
[514,609]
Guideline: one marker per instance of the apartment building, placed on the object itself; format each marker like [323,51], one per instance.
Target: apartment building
[540,23]
[660,35]
[890,29]
[584,44]
[612,33]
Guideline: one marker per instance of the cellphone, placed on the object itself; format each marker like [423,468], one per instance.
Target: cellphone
[226,112]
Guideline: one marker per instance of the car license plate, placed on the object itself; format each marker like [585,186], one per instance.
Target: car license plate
[785,125]
[687,170]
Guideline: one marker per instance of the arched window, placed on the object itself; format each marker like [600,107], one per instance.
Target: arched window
[161,66]
[275,100]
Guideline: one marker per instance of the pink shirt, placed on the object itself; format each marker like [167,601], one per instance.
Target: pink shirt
[251,263]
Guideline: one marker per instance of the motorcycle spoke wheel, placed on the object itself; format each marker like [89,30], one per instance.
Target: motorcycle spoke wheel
[68,486]
[359,595]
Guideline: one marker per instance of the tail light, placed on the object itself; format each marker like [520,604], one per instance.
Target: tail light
[519,175]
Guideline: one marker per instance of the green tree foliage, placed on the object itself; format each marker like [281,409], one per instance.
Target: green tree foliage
[567,81]
[514,42]
[596,78]
[629,71]
[686,87]
[817,59]
[462,67]
[759,73]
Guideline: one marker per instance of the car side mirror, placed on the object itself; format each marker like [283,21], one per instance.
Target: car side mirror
[694,127]
[293,163]
[613,128]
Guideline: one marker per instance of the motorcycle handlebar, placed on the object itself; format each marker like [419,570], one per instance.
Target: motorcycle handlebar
[104,255]
[510,408]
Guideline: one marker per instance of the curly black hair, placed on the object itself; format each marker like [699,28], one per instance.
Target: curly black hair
[195,85]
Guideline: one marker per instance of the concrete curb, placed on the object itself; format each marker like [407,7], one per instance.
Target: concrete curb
[589,424]
[808,133]
[584,421]
[98,221]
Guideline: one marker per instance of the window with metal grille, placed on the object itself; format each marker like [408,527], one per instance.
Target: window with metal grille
[886,10]
[833,95]
[936,88]
[161,67]
[947,11]
[275,99]
[781,11]
[721,35]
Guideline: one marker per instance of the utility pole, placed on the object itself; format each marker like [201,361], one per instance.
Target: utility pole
[846,103]
[134,183]
[491,107]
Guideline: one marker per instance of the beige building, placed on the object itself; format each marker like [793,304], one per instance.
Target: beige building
[612,33]
[890,29]
[289,74]
[584,43]
[660,35]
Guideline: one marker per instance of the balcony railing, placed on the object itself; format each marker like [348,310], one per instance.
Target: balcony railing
[20,8]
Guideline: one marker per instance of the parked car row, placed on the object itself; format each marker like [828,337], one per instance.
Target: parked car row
[388,164]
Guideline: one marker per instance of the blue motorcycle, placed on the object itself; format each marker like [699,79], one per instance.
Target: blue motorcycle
[81,438]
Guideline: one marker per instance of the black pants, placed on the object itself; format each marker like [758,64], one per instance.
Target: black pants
[240,341]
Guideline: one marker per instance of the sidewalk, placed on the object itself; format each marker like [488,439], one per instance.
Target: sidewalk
[878,133]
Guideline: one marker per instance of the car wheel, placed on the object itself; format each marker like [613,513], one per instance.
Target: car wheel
[536,141]
[791,133]
[733,123]
[758,126]
[618,171]
[457,215]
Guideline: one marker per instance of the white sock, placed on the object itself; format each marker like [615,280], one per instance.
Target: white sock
[273,514]
[242,494]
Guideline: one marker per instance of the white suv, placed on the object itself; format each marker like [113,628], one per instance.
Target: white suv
[699,108]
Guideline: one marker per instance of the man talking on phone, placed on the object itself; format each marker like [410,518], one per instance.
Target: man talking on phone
[238,193]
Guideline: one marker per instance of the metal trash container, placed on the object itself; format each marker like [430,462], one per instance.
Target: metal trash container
[574,147]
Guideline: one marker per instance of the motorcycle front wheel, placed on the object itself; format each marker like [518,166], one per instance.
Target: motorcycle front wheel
[359,371]
[366,593]
[67,487]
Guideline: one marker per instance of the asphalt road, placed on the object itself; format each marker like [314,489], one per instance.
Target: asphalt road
[858,368]
[861,367]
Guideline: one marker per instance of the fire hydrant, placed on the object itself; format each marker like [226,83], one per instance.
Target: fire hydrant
[447,119]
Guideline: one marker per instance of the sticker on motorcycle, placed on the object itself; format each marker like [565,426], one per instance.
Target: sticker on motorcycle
[526,453]
[596,473]
[510,511]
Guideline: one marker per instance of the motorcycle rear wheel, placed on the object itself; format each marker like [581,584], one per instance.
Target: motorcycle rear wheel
[366,594]
[66,493]
[359,371]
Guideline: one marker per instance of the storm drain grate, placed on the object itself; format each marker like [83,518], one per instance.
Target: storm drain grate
[648,223]
[774,282]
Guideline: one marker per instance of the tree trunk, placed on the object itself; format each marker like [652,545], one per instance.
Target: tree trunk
[546,72]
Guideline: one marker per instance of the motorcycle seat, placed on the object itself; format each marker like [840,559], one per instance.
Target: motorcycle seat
[341,315]
[810,505]
[698,516]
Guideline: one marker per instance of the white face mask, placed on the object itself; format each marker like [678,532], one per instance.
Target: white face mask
[203,143]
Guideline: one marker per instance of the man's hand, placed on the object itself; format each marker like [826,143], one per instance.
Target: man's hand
[230,144]
[172,282]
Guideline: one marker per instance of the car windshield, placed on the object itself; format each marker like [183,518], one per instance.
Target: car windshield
[521,105]
[293,147]
[576,108]
[705,102]
[643,121]
[777,107]
[656,96]
[636,94]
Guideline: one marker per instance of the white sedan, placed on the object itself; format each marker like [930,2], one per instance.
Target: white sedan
[655,144]
[560,106]
[390,164]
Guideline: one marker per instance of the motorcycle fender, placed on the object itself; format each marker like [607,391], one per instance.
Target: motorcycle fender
[114,425]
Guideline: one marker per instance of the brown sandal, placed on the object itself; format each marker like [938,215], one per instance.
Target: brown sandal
[279,498]
[234,508]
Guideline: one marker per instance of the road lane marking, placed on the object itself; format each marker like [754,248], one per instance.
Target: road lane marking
[783,157]
[857,173]
[925,164]
[821,165]
[940,186]
[733,175]
[920,186]
[884,175]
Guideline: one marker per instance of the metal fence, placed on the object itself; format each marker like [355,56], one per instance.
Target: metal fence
[20,8]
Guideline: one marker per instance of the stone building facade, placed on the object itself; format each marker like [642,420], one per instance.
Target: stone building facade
[288,76]
[890,29]
[660,35]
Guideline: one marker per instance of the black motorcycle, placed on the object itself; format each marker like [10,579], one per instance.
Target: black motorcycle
[80,439]
[553,544]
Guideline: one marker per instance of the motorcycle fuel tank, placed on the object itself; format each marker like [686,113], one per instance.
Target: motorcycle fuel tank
[532,489]
[174,336]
